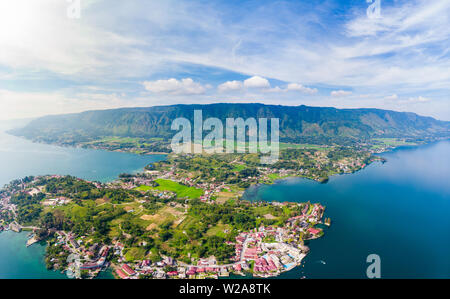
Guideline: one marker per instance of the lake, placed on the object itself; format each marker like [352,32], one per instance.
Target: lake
[20,158]
[398,210]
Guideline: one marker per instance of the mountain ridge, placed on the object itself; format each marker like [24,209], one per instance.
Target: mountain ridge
[300,124]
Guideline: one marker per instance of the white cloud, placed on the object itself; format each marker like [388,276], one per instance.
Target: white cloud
[230,86]
[17,105]
[301,88]
[38,36]
[391,97]
[257,82]
[340,93]
[404,52]
[185,86]
[418,99]
[264,85]
[274,90]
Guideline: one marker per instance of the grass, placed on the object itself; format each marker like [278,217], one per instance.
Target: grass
[274,176]
[182,191]
[135,254]
[144,188]
[394,141]
[218,230]
[224,196]
[239,167]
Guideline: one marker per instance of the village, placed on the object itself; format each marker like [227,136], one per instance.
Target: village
[265,251]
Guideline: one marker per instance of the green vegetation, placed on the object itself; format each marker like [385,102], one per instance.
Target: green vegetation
[182,191]
[143,130]
[382,143]
[148,226]
[242,170]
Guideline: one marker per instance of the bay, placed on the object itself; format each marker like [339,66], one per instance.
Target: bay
[398,210]
[20,158]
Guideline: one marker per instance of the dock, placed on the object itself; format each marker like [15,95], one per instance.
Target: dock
[15,227]
[32,240]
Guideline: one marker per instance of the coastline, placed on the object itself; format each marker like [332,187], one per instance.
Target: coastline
[356,171]
[299,263]
[291,255]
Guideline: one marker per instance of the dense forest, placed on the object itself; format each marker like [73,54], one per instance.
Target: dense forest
[298,124]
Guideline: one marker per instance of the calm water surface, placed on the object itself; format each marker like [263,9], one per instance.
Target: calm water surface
[20,158]
[399,210]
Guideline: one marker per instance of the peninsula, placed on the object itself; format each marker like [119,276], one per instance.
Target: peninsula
[164,230]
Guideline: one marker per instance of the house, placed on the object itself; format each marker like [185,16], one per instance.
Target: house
[121,274]
[128,270]
[237,267]
[313,230]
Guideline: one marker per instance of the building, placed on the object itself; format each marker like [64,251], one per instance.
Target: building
[121,274]
[128,270]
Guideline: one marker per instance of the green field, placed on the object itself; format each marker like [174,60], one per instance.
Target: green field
[181,190]
[239,167]
[391,142]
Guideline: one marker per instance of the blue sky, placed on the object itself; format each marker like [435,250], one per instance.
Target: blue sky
[145,53]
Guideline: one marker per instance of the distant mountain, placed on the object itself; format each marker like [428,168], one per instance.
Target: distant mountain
[297,123]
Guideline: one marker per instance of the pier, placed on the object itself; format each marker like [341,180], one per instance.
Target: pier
[32,240]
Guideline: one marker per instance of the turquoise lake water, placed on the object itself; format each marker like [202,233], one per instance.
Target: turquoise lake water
[18,262]
[399,210]
[20,158]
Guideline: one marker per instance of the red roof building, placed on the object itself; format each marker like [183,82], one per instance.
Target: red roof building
[128,270]
[121,274]
[313,231]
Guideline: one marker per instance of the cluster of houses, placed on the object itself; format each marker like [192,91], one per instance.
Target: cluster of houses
[97,264]
[266,251]
[54,202]
[92,259]
[267,248]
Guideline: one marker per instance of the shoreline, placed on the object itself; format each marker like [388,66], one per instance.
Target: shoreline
[299,177]
[251,240]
